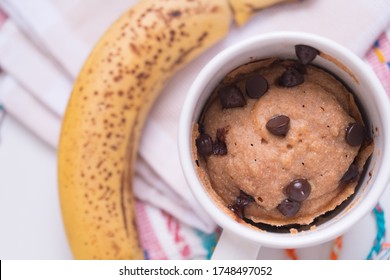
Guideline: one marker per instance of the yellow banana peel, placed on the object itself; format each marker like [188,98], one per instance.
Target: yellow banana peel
[244,9]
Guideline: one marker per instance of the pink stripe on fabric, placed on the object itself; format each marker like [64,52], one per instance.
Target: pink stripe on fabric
[174,228]
[381,69]
[3,17]
[148,239]
[384,47]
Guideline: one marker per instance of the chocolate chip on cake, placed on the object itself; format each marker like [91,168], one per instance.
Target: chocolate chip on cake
[278,125]
[298,190]
[219,145]
[291,78]
[238,210]
[306,54]
[300,67]
[219,148]
[231,97]
[204,144]
[256,86]
[201,128]
[288,207]
[244,199]
[351,175]
[354,134]
[241,202]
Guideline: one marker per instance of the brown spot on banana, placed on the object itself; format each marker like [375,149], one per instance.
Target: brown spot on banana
[111,97]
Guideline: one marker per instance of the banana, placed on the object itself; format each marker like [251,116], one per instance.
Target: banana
[245,9]
[108,106]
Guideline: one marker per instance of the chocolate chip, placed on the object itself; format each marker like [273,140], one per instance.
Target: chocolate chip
[221,133]
[278,125]
[291,78]
[306,54]
[354,134]
[204,144]
[351,175]
[289,207]
[298,190]
[256,86]
[244,199]
[219,145]
[300,67]
[176,13]
[231,97]
[238,210]
[201,128]
[241,202]
[219,148]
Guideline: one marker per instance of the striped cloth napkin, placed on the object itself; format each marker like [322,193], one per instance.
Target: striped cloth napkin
[43,44]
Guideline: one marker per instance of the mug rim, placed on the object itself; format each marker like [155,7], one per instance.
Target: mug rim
[280,240]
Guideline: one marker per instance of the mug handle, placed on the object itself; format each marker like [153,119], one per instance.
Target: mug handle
[232,247]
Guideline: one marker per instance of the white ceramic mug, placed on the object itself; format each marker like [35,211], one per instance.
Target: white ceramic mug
[239,241]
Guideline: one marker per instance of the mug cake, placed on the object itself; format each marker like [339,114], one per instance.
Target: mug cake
[281,142]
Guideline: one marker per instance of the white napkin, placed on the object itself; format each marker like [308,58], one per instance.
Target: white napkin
[52,39]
